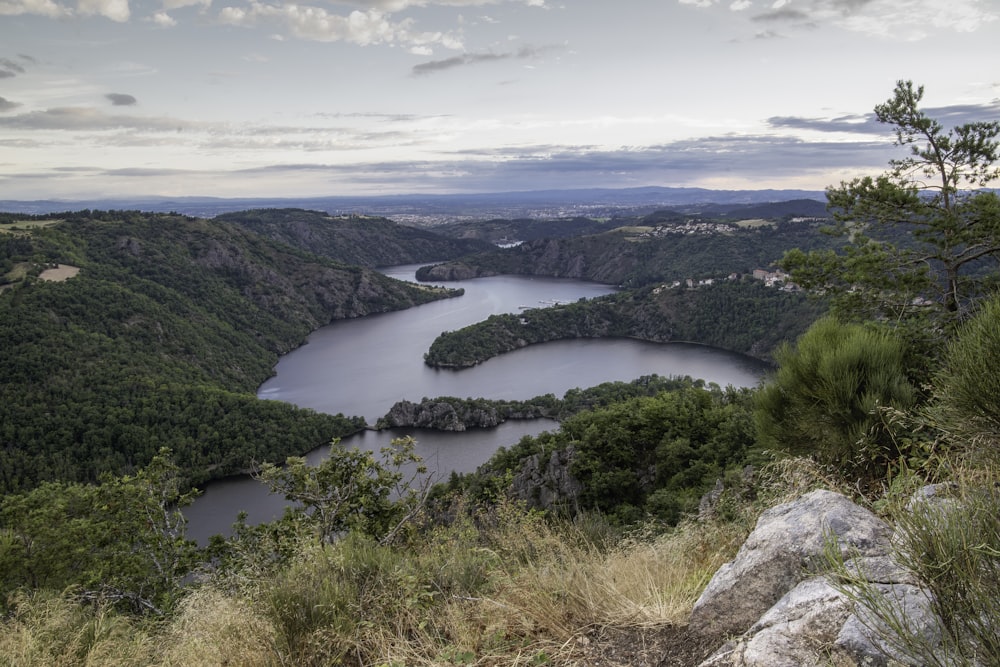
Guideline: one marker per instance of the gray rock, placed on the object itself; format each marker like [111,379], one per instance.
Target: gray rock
[796,629]
[860,637]
[547,483]
[786,545]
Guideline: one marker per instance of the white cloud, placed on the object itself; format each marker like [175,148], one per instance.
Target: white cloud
[39,7]
[177,4]
[915,19]
[363,28]
[163,20]
[740,5]
[399,5]
[116,10]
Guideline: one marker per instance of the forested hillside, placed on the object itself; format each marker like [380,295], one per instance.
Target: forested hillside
[358,240]
[161,340]
[660,248]
[741,316]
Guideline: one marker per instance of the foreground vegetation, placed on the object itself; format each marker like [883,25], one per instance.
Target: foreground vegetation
[373,568]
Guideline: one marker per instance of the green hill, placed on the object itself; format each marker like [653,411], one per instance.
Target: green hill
[161,340]
[358,240]
[655,249]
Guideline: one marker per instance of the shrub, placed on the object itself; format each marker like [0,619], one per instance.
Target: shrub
[967,388]
[952,547]
[823,400]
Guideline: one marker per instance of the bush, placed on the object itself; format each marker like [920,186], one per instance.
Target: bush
[966,406]
[951,545]
[824,399]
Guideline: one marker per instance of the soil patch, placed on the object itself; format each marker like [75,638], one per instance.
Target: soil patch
[59,273]
[666,646]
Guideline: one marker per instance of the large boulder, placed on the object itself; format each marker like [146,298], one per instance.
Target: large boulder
[820,619]
[786,546]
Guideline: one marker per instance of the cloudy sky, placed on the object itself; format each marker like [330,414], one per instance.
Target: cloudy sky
[238,98]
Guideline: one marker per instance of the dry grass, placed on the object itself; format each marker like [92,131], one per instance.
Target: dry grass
[54,631]
[212,628]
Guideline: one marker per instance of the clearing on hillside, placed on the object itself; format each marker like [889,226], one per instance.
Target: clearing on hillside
[60,273]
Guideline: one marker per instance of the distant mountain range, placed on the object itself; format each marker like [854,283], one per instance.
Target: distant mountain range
[432,209]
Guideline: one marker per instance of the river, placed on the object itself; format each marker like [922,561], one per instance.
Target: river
[363,366]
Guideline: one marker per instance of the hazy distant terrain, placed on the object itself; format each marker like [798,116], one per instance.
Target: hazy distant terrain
[435,209]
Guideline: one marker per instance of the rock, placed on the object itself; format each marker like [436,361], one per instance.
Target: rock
[442,415]
[708,502]
[548,485]
[795,630]
[788,541]
[859,636]
[450,271]
[820,620]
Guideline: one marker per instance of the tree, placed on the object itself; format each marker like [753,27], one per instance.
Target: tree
[121,541]
[922,238]
[352,490]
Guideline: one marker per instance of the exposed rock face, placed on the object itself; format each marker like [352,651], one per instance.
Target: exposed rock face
[793,632]
[547,484]
[813,621]
[442,415]
[787,543]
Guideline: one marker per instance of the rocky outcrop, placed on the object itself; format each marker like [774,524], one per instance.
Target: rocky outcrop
[440,415]
[786,546]
[782,613]
[545,482]
[456,414]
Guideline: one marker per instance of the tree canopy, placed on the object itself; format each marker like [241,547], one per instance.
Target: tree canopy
[923,237]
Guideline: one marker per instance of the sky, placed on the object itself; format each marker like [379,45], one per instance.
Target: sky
[309,98]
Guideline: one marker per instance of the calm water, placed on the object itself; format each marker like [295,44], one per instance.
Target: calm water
[362,367]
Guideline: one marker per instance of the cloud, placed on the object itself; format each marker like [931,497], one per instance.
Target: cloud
[747,159]
[435,66]
[40,7]
[317,24]
[752,161]
[10,68]
[7,105]
[178,4]
[116,10]
[163,19]
[950,116]
[783,14]
[857,124]
[898,19]
[400,5]
[121,100]
[88,118]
